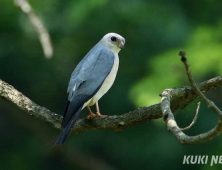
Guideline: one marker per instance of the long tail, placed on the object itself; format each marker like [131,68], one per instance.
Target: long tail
[63,135]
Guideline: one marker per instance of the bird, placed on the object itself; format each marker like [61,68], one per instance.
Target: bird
[90,80]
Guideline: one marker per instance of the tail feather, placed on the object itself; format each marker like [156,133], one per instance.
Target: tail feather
[72,107]
[66,109]
[63,135]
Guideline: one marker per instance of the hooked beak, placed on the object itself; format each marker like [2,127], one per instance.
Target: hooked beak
[121,45]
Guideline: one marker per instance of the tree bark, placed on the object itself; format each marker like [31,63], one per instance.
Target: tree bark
[180,98]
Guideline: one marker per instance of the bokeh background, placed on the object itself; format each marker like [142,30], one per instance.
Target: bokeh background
[155,31]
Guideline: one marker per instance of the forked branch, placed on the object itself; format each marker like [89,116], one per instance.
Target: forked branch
[169,118]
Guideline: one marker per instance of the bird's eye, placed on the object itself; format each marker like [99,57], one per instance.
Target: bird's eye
[113,38]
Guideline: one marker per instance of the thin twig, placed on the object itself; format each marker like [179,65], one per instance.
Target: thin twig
[194,86]
[194,119]
[170,120]
[39,27]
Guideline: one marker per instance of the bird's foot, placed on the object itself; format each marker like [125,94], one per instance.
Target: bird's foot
[91,115]
[99,115]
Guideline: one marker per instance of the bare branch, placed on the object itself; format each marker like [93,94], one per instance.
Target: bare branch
[194,119]
[180,98]
[169,118]
[195,88]
[39,27]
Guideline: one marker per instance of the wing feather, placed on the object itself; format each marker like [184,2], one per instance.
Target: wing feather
[88,81]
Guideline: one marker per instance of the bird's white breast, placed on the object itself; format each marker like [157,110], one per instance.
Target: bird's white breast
[108,82]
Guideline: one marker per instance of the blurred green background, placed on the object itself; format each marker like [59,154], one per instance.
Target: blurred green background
[155,31]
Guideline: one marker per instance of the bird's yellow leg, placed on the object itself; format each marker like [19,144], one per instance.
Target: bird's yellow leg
[98,114]
[91,114]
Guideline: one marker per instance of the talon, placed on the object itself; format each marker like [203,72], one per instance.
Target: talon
[99,115]
[91,116]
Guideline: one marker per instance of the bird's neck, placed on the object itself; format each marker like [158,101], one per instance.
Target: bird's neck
[114,49]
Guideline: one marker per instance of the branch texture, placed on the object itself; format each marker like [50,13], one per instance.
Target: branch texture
[180,98]
[169,118]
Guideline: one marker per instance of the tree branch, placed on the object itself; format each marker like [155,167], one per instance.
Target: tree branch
[38,25]
[169,118]
[180,97]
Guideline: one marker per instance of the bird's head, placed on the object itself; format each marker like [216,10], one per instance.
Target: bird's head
[113,41]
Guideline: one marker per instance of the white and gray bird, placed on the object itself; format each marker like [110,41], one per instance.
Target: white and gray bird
[90,80]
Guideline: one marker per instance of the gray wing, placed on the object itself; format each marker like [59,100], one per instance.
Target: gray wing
[94,76]
[75,74]
[85,64]
[84,69]
[85,82]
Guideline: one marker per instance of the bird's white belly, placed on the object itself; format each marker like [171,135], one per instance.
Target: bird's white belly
[108,82]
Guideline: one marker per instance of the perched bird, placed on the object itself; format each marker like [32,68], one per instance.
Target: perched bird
[90,80]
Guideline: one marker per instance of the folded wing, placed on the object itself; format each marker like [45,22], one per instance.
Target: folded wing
[86,80]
